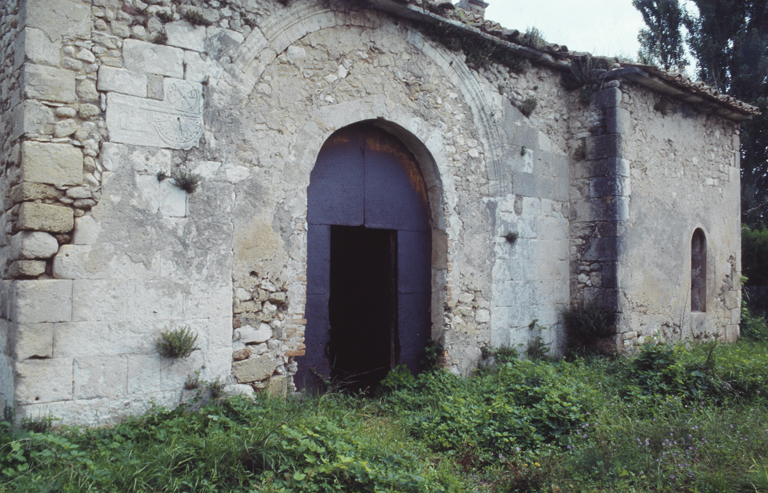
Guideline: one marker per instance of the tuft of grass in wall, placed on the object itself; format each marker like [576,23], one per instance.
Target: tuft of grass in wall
[528,106]
[522,151]
[662,106]
[533,38]
[164,16]
[196,18]
[186,180]
[580,153]
[160,38]
[161,176]
[537,349]
[42,424]
[586,324]
[511,237]
[176,343]
[583,75]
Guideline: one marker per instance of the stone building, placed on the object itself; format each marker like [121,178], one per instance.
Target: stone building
[372,176]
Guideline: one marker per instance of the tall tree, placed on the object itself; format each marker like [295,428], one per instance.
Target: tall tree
[729,39]
[662,42]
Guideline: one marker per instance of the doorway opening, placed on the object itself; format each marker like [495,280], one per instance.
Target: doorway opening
[362,306]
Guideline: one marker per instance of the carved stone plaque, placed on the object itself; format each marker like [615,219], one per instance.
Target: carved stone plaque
[176,122]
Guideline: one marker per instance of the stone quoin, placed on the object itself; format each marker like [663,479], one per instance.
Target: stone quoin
[318,189]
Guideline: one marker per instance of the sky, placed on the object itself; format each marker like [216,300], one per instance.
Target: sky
[601,27]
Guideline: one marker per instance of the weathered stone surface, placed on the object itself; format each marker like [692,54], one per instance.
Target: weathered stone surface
[177,120]
[278,386]
[143,57]
[249,334]
[35,46]
[65,128]
[101,376]
[32,341]
[254,369]
[184,35]
[33,245]
[58,18]
[33,191]
[72,262]
[26,268]
[31,117]
[87,230]
[48,83]
[123,81]
[88,111]
[277,298]
[40,381]
[44,217]
[55,164]
[242,354]
[39,301]
[86,90]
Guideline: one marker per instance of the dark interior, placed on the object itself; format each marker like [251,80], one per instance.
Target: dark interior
[362,306]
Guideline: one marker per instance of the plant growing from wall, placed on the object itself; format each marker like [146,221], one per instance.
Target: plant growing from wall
[511,237]
[537,349]
[196,18]
[528,105]
[587,324]
[176,343]
[161,176]
[533,38]
[186,180]
[478,50]
[580,153]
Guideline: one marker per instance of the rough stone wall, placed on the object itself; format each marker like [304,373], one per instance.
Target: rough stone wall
[119,99]
[684,171]
[10,96]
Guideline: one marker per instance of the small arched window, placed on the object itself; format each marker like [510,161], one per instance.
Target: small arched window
[698,271]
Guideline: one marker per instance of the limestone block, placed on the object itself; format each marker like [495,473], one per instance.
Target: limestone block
[65,128]
[48,83]
[44,217]
[75,339]
[33,45]
[86,91]
[40,301]
[31,117]
[87,230]
[54,164]
[249,334]
[184,35]
[222,42]
[177,120]
[732,299]
[238,389]
[143,57]
[26,268]
[123,81]
[163,197]
[278,386]
[33,245]
[72,262]
[46,380]
[100,376]
[58,18]
[32,340]
[254,369]
[203,300]
[28,191]
[196,69]
[242,354]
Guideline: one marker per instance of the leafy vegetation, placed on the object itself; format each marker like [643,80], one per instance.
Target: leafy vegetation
[586,325]
[176,343]
[670,419]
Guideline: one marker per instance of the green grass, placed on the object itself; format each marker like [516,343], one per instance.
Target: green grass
[670,419]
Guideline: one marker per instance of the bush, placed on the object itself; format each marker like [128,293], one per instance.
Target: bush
[585,325]
[176,343]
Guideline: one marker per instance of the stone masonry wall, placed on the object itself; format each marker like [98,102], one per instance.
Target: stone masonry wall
[119,100]
[684,168]
[10,96]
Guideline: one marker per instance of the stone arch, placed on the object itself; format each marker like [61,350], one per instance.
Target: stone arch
[370,201]
[291,24]
[698,271]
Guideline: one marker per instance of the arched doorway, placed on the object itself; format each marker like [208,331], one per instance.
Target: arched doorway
[369,250]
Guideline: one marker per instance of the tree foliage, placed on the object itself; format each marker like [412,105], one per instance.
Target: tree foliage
[754,255]
[662,42]
[729,40]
